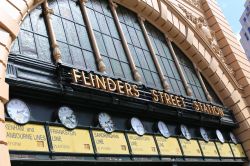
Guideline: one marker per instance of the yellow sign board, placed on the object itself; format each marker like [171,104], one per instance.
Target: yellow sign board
[224,149]
[29,137]
[168,146]
[110,143]
[70,141]
[142,145]
[190,148]
[238,150]
[209,149]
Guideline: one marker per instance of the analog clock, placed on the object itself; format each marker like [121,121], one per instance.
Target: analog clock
[106,122]
[220,136]
[18,111]
[137,126]
[162,127]
[185,132]
[204,134]
[233,138]
[67,117]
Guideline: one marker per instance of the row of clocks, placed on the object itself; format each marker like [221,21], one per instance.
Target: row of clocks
[20,113]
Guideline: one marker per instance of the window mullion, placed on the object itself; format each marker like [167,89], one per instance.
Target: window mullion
[177,63]
[152,52]
[135,72]
[56,51]
[99,60]
[208,96]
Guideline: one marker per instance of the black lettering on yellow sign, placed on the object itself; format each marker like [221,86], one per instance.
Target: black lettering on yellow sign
[28,137]
[70,141]
[110,143]
[190,147]
[142,145]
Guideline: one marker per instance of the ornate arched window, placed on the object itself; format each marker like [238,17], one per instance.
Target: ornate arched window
[72,37]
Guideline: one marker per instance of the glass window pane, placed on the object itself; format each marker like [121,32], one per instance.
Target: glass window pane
[76,12]
[43,49]
[100,43]
[102,23]
[149,78]
[71,33]
[77,57]
[90,60]
[26,23]
[66,58]
[127,71]
[93,19]
[59,32]
[110,47]
[117,68]
[28,44]
[83,37]
[64,9]
[150,62]
[120,50]
[157,80]
[38,24]
[15,47]
[108,66]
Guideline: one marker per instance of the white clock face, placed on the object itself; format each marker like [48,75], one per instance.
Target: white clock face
[162,127]
[18,111]
[137,126]
[106,122]
[233,138]
[185,132]
[220,136]
[67,117]
[204,134]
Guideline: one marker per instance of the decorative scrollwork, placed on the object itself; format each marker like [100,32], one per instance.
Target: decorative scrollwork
[209,35]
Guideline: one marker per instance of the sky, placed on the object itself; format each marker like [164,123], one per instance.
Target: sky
[233,10]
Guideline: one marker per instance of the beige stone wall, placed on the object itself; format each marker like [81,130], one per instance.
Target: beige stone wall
[226,71]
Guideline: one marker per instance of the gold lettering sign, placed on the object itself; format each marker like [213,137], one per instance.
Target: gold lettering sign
[168,146]
[190,148]
[224,149]
[70,141]
[238,151]
[207,108]
[110,143]
[165,98]
[142,145]
[209,149]
[29,137]
[86,79]
[104,83]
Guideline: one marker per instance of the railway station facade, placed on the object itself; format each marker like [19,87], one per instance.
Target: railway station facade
[121,82]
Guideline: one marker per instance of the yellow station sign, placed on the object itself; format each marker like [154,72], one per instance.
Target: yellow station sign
[142,145]
[110,143]
[190,148]
[168,146]
[224,149]
[209,149]
[238,150]
[70,141]
[30,137]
